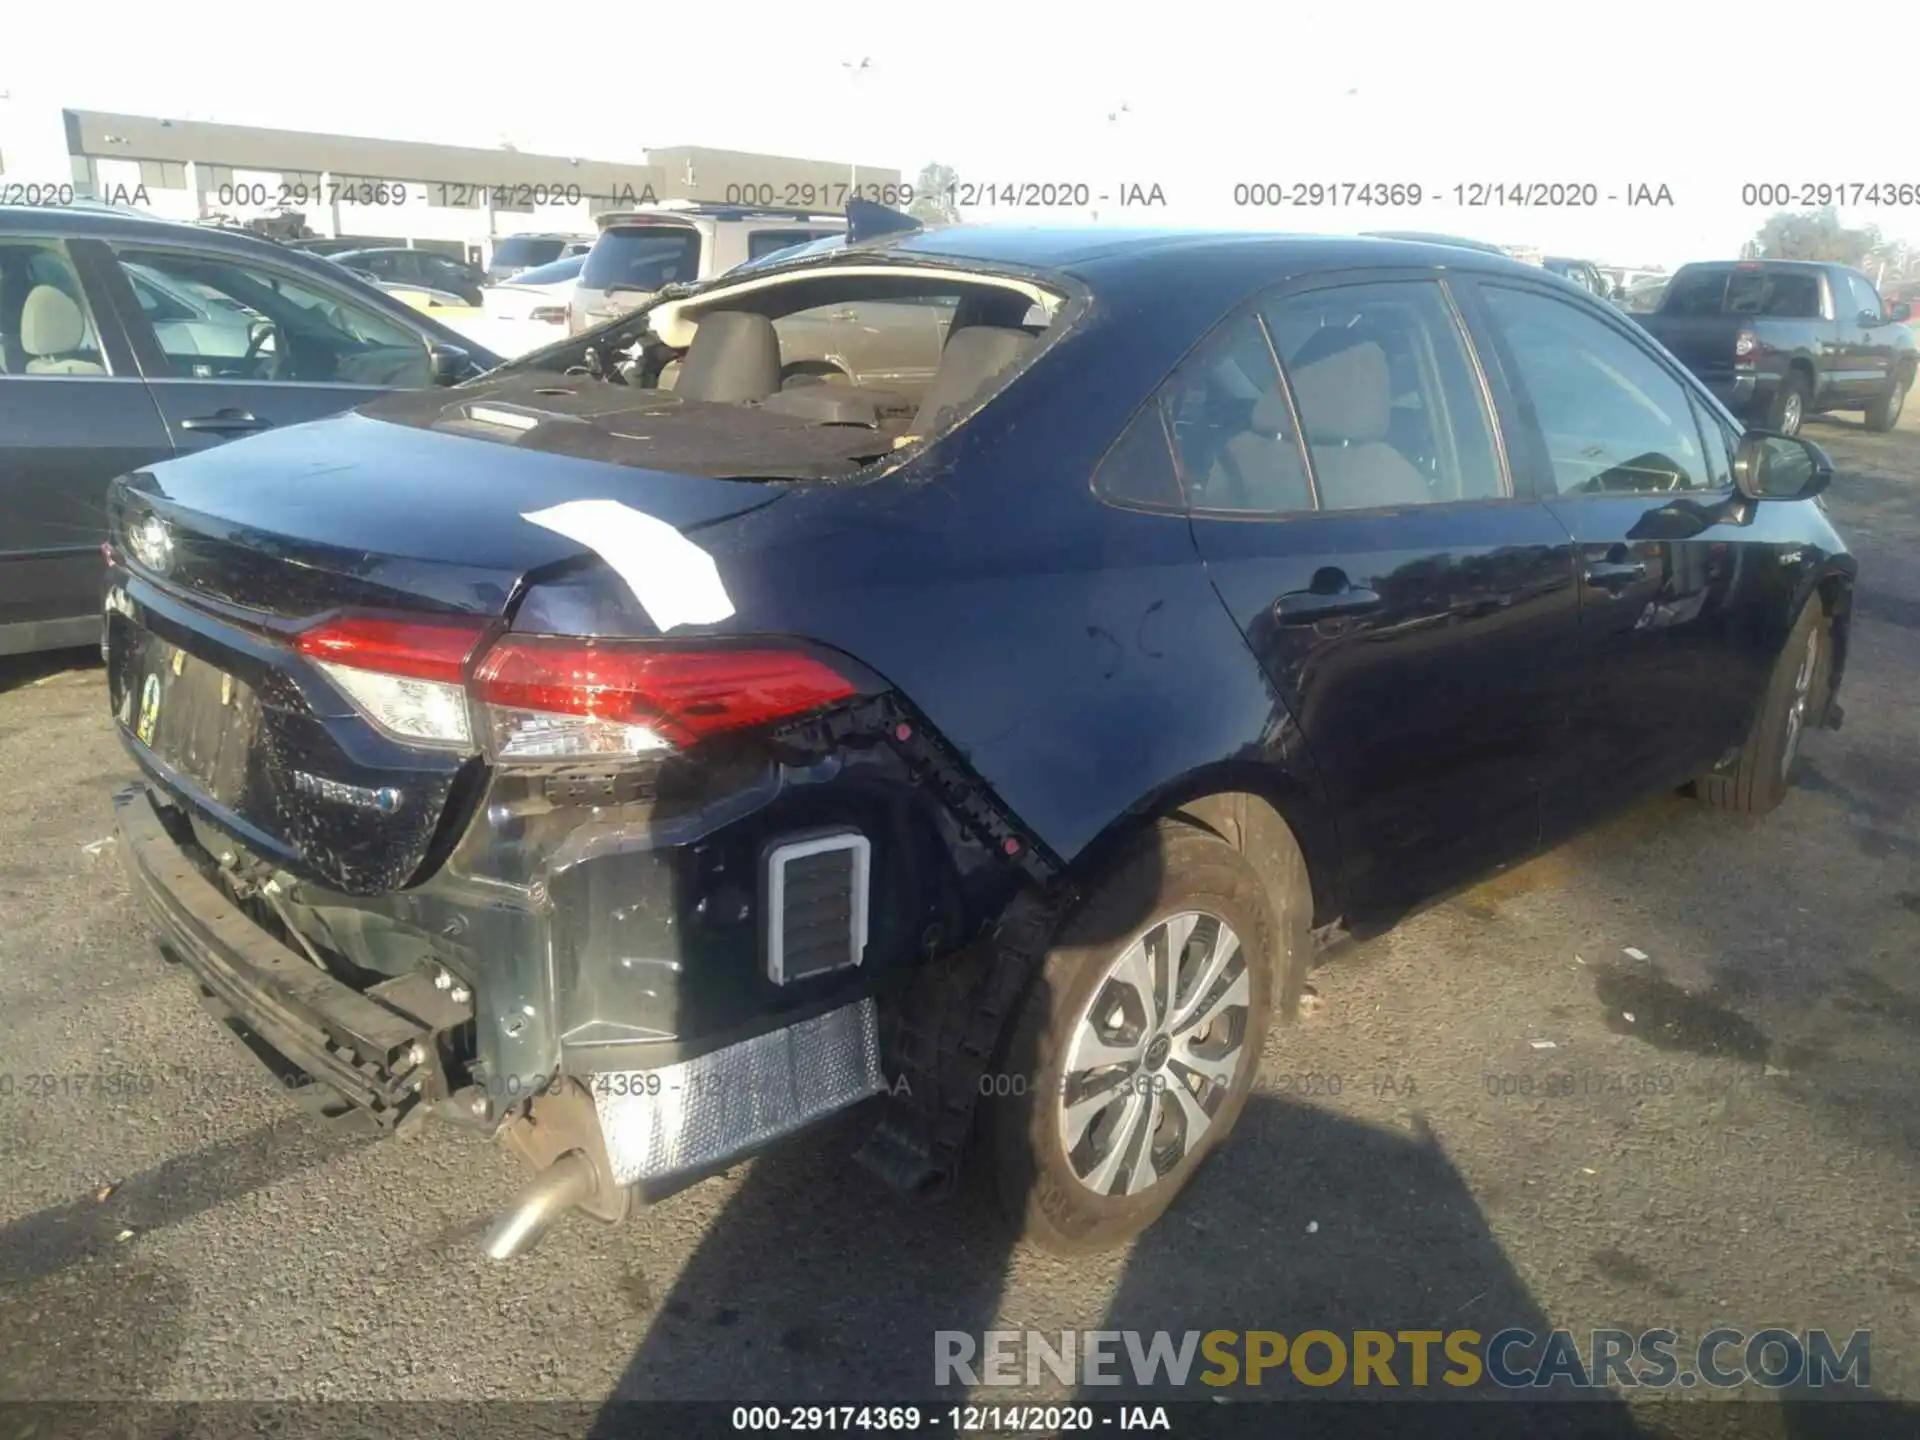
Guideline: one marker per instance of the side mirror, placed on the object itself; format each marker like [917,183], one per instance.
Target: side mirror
[1619,293]
[449,363]
[1780,467]
[1899,312]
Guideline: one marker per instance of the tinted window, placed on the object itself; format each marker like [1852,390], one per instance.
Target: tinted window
[553,274]
[1866,300]
[1731,290]
[762,243]
[1612,417]
[266,325]
[1720,445]
[526,250]
[644,257]
[1392,407]
[1232,431]
[45,325]
[1138,471]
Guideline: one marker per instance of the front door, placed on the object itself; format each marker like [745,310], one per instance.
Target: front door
[74,413]
[1639,472]
[1416,616]
[273,347]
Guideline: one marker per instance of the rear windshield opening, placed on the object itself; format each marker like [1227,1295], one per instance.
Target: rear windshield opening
[813,376]
[642,257]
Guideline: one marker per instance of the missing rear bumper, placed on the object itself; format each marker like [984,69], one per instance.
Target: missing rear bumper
[701,1113]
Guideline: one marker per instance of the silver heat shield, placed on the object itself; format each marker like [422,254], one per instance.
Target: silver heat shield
[708,1110]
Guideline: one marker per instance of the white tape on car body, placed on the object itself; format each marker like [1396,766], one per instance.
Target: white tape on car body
[675,581]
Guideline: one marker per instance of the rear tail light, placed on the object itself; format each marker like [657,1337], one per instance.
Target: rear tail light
[551,699]
[544,698]
[1746,346]
[406,676]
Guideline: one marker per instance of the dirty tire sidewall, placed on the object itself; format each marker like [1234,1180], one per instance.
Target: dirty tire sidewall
[1777,416]
[1755,784]
[1171,869]
[1884,413]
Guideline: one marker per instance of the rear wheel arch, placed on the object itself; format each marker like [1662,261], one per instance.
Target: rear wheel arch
[1254,809]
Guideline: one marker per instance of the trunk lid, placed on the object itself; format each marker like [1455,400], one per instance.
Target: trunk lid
[221,558]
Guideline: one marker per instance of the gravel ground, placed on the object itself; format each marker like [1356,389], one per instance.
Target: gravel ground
[1731,1138]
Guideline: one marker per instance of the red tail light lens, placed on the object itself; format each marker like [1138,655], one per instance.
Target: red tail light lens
[550,698]
[406,676]
[417,649]
[1746,345]
[547,698]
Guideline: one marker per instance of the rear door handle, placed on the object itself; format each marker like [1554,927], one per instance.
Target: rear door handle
[226,422]
[1615,575]
[1330,596]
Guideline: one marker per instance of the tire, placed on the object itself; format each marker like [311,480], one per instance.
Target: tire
[1795,702]
[1884,413]
[1173,872]
[1788,409]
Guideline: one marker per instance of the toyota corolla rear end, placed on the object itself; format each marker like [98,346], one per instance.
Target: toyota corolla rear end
[439,821]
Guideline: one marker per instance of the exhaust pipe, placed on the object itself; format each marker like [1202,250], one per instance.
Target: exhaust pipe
[555,1191]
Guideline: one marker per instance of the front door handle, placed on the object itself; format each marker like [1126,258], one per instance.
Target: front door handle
[1329,596]
[1615,575]
[226,422]
[844,315]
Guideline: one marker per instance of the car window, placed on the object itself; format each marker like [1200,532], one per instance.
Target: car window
[525,250]
[642,257]
[46,325]
[277,327]
[764,242]
[1233,434]
[1138,471]
[1613,419]
[1721,442]
[1392,407]
[1866,300]
[1775,294]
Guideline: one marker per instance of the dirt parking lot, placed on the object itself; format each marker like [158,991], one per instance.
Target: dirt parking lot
[1498,1115]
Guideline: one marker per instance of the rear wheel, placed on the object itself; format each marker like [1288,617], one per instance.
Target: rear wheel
[1789,408]
[1796,699]
[1133,1055]
[1884,413]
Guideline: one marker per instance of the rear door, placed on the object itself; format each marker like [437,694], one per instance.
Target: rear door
[1638,469]
[74,413]
[1415,614]
[305,348]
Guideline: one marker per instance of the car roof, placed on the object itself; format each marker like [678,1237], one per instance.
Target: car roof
[1085,251]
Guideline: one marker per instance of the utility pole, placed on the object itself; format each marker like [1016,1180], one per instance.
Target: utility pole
[854,71]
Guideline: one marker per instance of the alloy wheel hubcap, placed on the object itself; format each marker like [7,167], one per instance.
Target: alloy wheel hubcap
[1155,1053]
[1790,416]
[1802,699]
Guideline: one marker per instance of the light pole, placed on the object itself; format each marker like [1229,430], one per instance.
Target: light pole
[1108,150]
[855,69]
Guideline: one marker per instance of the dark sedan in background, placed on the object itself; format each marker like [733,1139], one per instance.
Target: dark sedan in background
[638,774]
[125,340]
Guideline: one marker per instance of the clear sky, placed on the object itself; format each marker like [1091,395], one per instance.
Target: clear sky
[1216,93]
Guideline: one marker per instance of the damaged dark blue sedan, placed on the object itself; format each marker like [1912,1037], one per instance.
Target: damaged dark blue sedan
[674,737]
